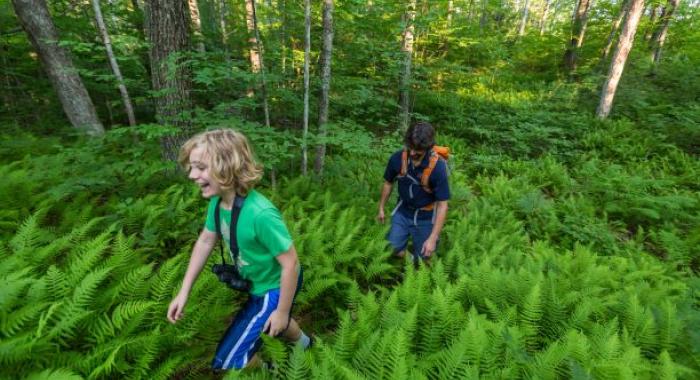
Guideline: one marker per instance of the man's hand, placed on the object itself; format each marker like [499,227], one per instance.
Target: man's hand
[177,305]
[277,323]
[429,247]
[380,215]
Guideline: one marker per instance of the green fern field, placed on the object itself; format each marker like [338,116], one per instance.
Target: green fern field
[549,268]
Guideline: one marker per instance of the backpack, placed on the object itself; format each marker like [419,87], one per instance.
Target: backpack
[436,153]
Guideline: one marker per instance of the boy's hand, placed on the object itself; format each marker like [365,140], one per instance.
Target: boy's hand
[380,215]
[277,323]
[176,308]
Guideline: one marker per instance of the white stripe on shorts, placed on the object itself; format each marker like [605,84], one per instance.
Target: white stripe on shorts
[245,333]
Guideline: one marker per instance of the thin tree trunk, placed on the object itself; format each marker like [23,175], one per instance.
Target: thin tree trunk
[36,21]
[654,12]
[307,51]
[659,36]
[523,20]
[450,11]
[196,25]
[113,63]
[283,37]
[256,55]
[577,30]
[407,49]
[326,54]
[545,13]
[169,37]
[483,19]
[615,27]
[223,13]
[619,58]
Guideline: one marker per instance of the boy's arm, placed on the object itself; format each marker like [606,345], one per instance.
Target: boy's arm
[200,253]
[386,192]
[279,319]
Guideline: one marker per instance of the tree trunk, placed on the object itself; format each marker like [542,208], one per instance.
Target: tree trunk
[654,11]
[36,21]
[168,31]
[326,54]
[659,36]
[307,51]
[619,58]
[450,11]
[113,62]
[578,28]
[196,25]
[223,12]
[256,57]
[407,49]
[545,13]
[523,20]
[615,27]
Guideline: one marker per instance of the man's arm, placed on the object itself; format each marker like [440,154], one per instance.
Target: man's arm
[386,192]
[431,242]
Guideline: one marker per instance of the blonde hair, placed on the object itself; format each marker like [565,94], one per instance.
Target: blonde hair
[230,159]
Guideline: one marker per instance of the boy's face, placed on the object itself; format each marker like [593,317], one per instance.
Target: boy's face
[199,173]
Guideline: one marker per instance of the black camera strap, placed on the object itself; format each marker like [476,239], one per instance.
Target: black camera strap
[233,239]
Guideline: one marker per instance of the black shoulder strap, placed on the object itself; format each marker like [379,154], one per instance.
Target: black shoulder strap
[233,239]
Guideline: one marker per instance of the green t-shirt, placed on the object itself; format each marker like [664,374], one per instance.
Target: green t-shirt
[262,236]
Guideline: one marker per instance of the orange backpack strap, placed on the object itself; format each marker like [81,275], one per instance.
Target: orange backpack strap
[424,178]
[404,163]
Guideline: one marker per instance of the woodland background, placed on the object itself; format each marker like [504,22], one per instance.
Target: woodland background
[572,247]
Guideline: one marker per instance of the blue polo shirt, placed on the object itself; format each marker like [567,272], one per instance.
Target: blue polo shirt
[411,193]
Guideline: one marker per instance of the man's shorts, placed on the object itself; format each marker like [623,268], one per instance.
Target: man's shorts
[242,339]
[403,226]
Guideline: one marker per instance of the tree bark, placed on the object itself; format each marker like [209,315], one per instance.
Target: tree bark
[523,20]
[619,58]
[407,49]
[36,21]
[196,25]
[307,51]
[659,36]
[113,63]
[654,12]
[578,29]
[615,27]
[168,30]
[326,54]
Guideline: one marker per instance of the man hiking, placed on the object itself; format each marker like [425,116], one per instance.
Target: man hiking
[421,172]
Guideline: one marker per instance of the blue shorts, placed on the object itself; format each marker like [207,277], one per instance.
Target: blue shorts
[403,226]
[242,339]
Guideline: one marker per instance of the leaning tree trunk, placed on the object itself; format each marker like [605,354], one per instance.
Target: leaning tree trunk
[196,25]
[523,20]
[113,63]
[168,31]
[619,58]
[326,53]
[659,36]
[577,29]
[36,21]
[307,51]
[407,49]
[615,27]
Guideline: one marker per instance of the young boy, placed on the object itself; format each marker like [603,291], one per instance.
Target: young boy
[221,163]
